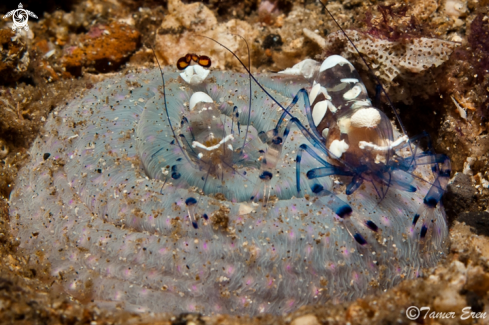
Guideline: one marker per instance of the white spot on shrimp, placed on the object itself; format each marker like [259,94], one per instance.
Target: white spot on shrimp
[338,148]
[332,108]
[304,68]
[366,118]
[361,103]
[353,93]
[316,90]
[334,60]
[196,144]
[349,80]
[325,133]
[344,125]
[194,74]
[199,97]
[319,112]
[364,145]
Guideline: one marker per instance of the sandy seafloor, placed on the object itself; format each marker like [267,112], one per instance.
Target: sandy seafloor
[75,44]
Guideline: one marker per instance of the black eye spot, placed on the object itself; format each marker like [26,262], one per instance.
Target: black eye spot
[46,156]
[272,41]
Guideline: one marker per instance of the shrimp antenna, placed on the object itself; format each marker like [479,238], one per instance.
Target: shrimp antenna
[371,72]
[249,76]
[166,107]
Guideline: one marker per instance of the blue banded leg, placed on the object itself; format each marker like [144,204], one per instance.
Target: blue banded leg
[403,171]
[343,210]
[185,121]
[235,119]
[272,155]
[327,169]
[441,169]
[423,157]
[268,165]
[274,151]
[188,144]
[329,199]
[173,173]
[354,184]
[263,188]
[427,158]
[266,137]
[317,144]
[365,233]
[307,107]
[399,179]
[192,204]
[409,163]
[275,141]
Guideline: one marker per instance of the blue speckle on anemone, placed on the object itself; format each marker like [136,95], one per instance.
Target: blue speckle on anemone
[131,215]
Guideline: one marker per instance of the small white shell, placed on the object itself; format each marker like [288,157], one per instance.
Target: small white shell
[199,97]
[49,54]
[461,110]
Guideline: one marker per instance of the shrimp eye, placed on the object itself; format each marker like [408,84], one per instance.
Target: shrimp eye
[195,57]
[188,57]
[182,63]
[204,61]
